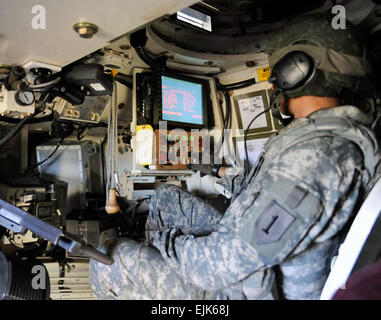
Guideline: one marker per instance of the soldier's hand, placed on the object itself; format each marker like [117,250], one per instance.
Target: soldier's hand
[206,169]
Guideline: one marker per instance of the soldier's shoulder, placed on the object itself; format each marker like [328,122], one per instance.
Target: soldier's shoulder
[320,155]
[330,146]
[342,151]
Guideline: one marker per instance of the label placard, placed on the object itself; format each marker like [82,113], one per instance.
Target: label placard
[264,74]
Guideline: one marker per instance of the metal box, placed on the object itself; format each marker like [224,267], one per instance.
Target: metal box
[80,165]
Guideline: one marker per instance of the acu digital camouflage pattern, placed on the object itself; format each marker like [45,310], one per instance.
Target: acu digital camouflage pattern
[192,251]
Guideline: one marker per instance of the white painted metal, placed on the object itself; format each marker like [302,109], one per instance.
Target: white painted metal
[59,44]
[74,285]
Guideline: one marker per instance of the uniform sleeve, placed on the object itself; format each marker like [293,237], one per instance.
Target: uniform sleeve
[212,262]
[232,180]
[306,196]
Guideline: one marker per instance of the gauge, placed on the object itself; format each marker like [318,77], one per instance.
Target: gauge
[24,98]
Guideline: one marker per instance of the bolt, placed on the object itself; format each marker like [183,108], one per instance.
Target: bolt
[101,100]
[85,30]
[124,47]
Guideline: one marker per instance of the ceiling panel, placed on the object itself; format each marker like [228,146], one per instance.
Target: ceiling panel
[59,44]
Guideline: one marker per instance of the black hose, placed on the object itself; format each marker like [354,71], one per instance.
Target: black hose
[29,169]
[226,119]
[150,61]
[237,85]
[33,120]
[124,80]
[15,131]
[242,86]
[41,87]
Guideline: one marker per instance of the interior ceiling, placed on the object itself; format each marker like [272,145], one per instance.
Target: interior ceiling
[239,26]
[59,44]
[238,17]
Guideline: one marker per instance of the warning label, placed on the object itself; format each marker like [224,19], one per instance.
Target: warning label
[263,74]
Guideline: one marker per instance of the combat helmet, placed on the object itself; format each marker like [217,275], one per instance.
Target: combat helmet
[310,57]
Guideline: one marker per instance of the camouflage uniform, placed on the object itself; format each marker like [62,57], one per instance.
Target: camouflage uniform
[278,231]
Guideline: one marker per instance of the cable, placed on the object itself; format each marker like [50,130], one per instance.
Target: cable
[225,88]
[112,205]
[15,131]
[226,120]
[46,118]
[124,80]
[142,53]
[242,86]
[272,100]
[245,139]
[41,86]
[29,169]
[237,85]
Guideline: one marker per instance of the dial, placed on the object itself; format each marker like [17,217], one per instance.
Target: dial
[24,98]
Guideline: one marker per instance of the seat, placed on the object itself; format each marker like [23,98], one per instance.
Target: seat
[362,245]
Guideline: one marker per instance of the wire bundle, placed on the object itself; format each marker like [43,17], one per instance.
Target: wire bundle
[225,88]
[112,206]
[112,138]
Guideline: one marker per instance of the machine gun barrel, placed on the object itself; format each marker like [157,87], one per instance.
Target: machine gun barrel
[18,221]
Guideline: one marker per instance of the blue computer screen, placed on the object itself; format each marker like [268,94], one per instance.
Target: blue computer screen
[181,101]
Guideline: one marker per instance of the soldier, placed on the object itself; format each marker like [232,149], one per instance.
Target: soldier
[277,237]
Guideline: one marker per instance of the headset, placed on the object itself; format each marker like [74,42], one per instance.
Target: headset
[294,71]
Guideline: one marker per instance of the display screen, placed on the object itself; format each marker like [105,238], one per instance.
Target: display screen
[182,101]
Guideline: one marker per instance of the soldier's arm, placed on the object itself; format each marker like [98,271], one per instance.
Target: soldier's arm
[213,262]
[226,182]
[303,194]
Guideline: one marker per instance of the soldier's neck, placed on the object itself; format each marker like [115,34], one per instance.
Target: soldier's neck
[303,106]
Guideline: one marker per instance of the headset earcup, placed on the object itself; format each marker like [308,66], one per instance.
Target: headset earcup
[295,69]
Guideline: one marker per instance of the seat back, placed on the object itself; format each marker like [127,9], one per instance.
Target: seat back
[351,248]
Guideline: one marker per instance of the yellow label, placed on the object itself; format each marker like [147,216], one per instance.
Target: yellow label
[142,127]
[264,74]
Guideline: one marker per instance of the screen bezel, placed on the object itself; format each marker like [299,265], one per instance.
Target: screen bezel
[205,85]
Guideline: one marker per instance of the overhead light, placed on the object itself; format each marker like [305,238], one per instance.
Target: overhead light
[195,18]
